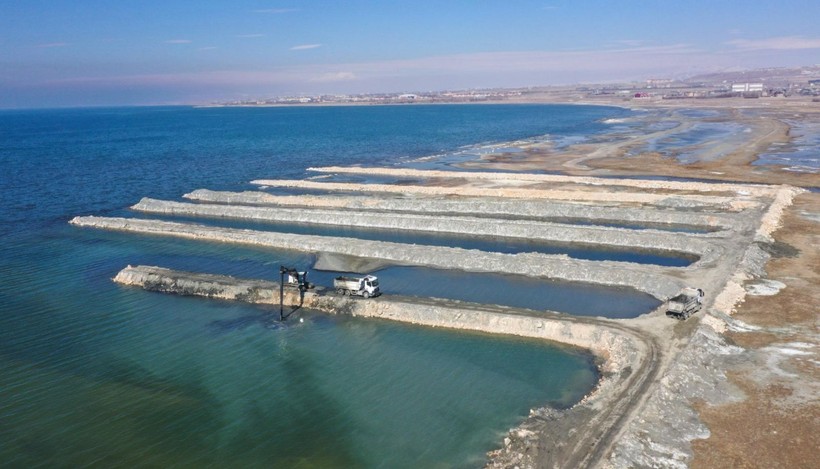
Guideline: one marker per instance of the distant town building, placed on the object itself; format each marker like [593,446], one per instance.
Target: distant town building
[814,83]
[659,83]
[747,88]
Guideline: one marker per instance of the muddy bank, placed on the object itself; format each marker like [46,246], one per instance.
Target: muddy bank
[776,424]
[662,435]
[649,240]
[627,155]
[696,374]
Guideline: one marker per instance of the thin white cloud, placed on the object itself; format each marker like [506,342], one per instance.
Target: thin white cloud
[250,35]
[305,47]
[333,77]
[275,11]
[208,48]
[776,43]
[462,70]
[542,63]
[51,44]
[178,41]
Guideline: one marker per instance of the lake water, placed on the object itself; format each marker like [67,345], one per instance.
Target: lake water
[97,374]
[800,155]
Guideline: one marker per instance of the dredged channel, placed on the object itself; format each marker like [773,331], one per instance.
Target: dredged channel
[654,280]
[495,235]
[552,210]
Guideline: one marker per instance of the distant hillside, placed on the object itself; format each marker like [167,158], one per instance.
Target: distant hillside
[769,76]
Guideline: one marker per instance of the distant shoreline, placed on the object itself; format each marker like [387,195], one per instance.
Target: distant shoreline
[793,102]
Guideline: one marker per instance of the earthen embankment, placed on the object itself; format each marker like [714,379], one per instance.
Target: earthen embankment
[610,346]
[653,369]
[648,240]
[515,192]
[626,358]
[644,184]
[602,213]
[647,278]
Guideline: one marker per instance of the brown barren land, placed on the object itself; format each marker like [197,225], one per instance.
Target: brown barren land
[777,424]
[725,161]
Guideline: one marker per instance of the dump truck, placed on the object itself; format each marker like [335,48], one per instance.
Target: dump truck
[685,303]
[367,286]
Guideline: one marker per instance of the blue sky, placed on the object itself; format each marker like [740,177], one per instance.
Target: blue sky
[93,52]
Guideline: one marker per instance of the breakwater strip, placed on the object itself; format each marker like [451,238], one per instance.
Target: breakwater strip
[492,207]
[650,279]
[564,329]
[728,203]
[635,352]
[627,358]
[552,178]
[678,244]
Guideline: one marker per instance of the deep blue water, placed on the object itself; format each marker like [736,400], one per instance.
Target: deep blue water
[61,163]
[94,373]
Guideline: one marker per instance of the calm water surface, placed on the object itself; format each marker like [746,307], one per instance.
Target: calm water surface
[92,373]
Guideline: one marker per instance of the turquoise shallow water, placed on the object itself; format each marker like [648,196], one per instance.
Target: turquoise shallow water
[92,373]
[98,373]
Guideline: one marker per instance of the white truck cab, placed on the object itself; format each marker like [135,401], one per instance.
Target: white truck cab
[367,286]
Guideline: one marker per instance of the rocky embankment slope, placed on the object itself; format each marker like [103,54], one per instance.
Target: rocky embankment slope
[647,278]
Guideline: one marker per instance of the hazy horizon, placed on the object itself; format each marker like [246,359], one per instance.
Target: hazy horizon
[88,53]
